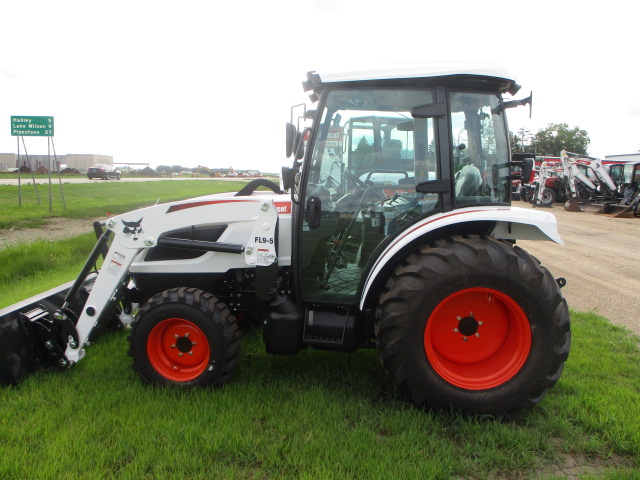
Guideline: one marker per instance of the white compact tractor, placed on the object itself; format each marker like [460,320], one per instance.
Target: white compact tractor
[392,230]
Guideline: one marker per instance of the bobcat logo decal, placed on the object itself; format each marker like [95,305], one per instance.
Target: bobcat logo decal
[133,229]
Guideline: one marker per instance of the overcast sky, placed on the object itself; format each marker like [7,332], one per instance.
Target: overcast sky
[211,83]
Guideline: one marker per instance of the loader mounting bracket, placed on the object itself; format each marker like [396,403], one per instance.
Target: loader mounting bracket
[48,334]
[67,326]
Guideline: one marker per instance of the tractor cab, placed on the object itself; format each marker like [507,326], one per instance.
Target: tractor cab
[384,154]
[631,175]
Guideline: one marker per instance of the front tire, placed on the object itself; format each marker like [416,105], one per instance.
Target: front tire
[548,197]
[184,336]
[475,324]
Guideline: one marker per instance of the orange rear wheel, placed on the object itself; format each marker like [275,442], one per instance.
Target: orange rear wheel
[477,338]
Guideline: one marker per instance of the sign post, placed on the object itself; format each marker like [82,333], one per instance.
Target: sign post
[23,126]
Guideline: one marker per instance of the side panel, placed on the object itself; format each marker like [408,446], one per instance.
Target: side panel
[512,223]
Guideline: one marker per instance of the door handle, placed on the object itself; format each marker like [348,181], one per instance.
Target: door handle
[313,212]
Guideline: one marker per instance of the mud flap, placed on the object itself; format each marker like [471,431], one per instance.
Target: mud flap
[572,205]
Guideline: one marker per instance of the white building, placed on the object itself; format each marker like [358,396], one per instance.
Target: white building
[628,157]
[79,161]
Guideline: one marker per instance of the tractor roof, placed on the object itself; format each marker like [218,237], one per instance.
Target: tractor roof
[506,81]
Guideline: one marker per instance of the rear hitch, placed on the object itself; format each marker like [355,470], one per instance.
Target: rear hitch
[561,281]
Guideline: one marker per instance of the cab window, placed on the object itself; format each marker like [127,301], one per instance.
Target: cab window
[480,153]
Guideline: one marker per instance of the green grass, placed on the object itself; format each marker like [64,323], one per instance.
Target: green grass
[315,415]
[32,268]
[98,200]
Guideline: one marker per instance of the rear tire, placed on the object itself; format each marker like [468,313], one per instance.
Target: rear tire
[475,324]
[184,336]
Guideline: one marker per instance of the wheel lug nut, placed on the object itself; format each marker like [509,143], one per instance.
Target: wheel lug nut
[173,346]
[465,339]
[180,354]
[190,353]
[455,330]
[477,335]
[480,322]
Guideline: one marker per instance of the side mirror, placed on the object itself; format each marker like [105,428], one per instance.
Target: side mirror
[291,138]
[288,176]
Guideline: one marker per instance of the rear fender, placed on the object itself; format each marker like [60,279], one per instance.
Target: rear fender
[510,223]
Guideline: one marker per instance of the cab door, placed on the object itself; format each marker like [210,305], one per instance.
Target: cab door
[369,153]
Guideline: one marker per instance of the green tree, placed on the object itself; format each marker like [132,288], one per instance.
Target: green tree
[550,141]
[364,147]
[521,141]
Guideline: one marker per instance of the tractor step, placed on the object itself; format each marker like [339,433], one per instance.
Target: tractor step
[330,330]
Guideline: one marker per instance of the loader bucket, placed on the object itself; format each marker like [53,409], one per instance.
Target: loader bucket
[626,212]
[19,355]
[572,205]
[603,210]
[24,345]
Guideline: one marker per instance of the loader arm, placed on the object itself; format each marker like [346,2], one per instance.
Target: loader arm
[103,293]
[543,175]
[53,328]
[570,162]
[142,229]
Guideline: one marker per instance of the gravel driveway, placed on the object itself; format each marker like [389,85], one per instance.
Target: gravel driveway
[600,260]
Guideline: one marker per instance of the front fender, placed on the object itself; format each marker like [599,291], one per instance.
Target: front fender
[510,223]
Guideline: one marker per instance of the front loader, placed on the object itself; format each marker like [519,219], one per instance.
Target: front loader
[392,230]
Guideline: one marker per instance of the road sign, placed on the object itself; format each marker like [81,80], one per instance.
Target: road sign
[31,126]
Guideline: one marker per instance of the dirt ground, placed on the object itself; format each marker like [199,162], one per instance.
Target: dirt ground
[56,229]
[600,259]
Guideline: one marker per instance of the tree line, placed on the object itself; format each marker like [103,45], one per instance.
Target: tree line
[551,140]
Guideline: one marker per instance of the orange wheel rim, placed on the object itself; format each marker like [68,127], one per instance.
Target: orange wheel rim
[477,338]
[178,349]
